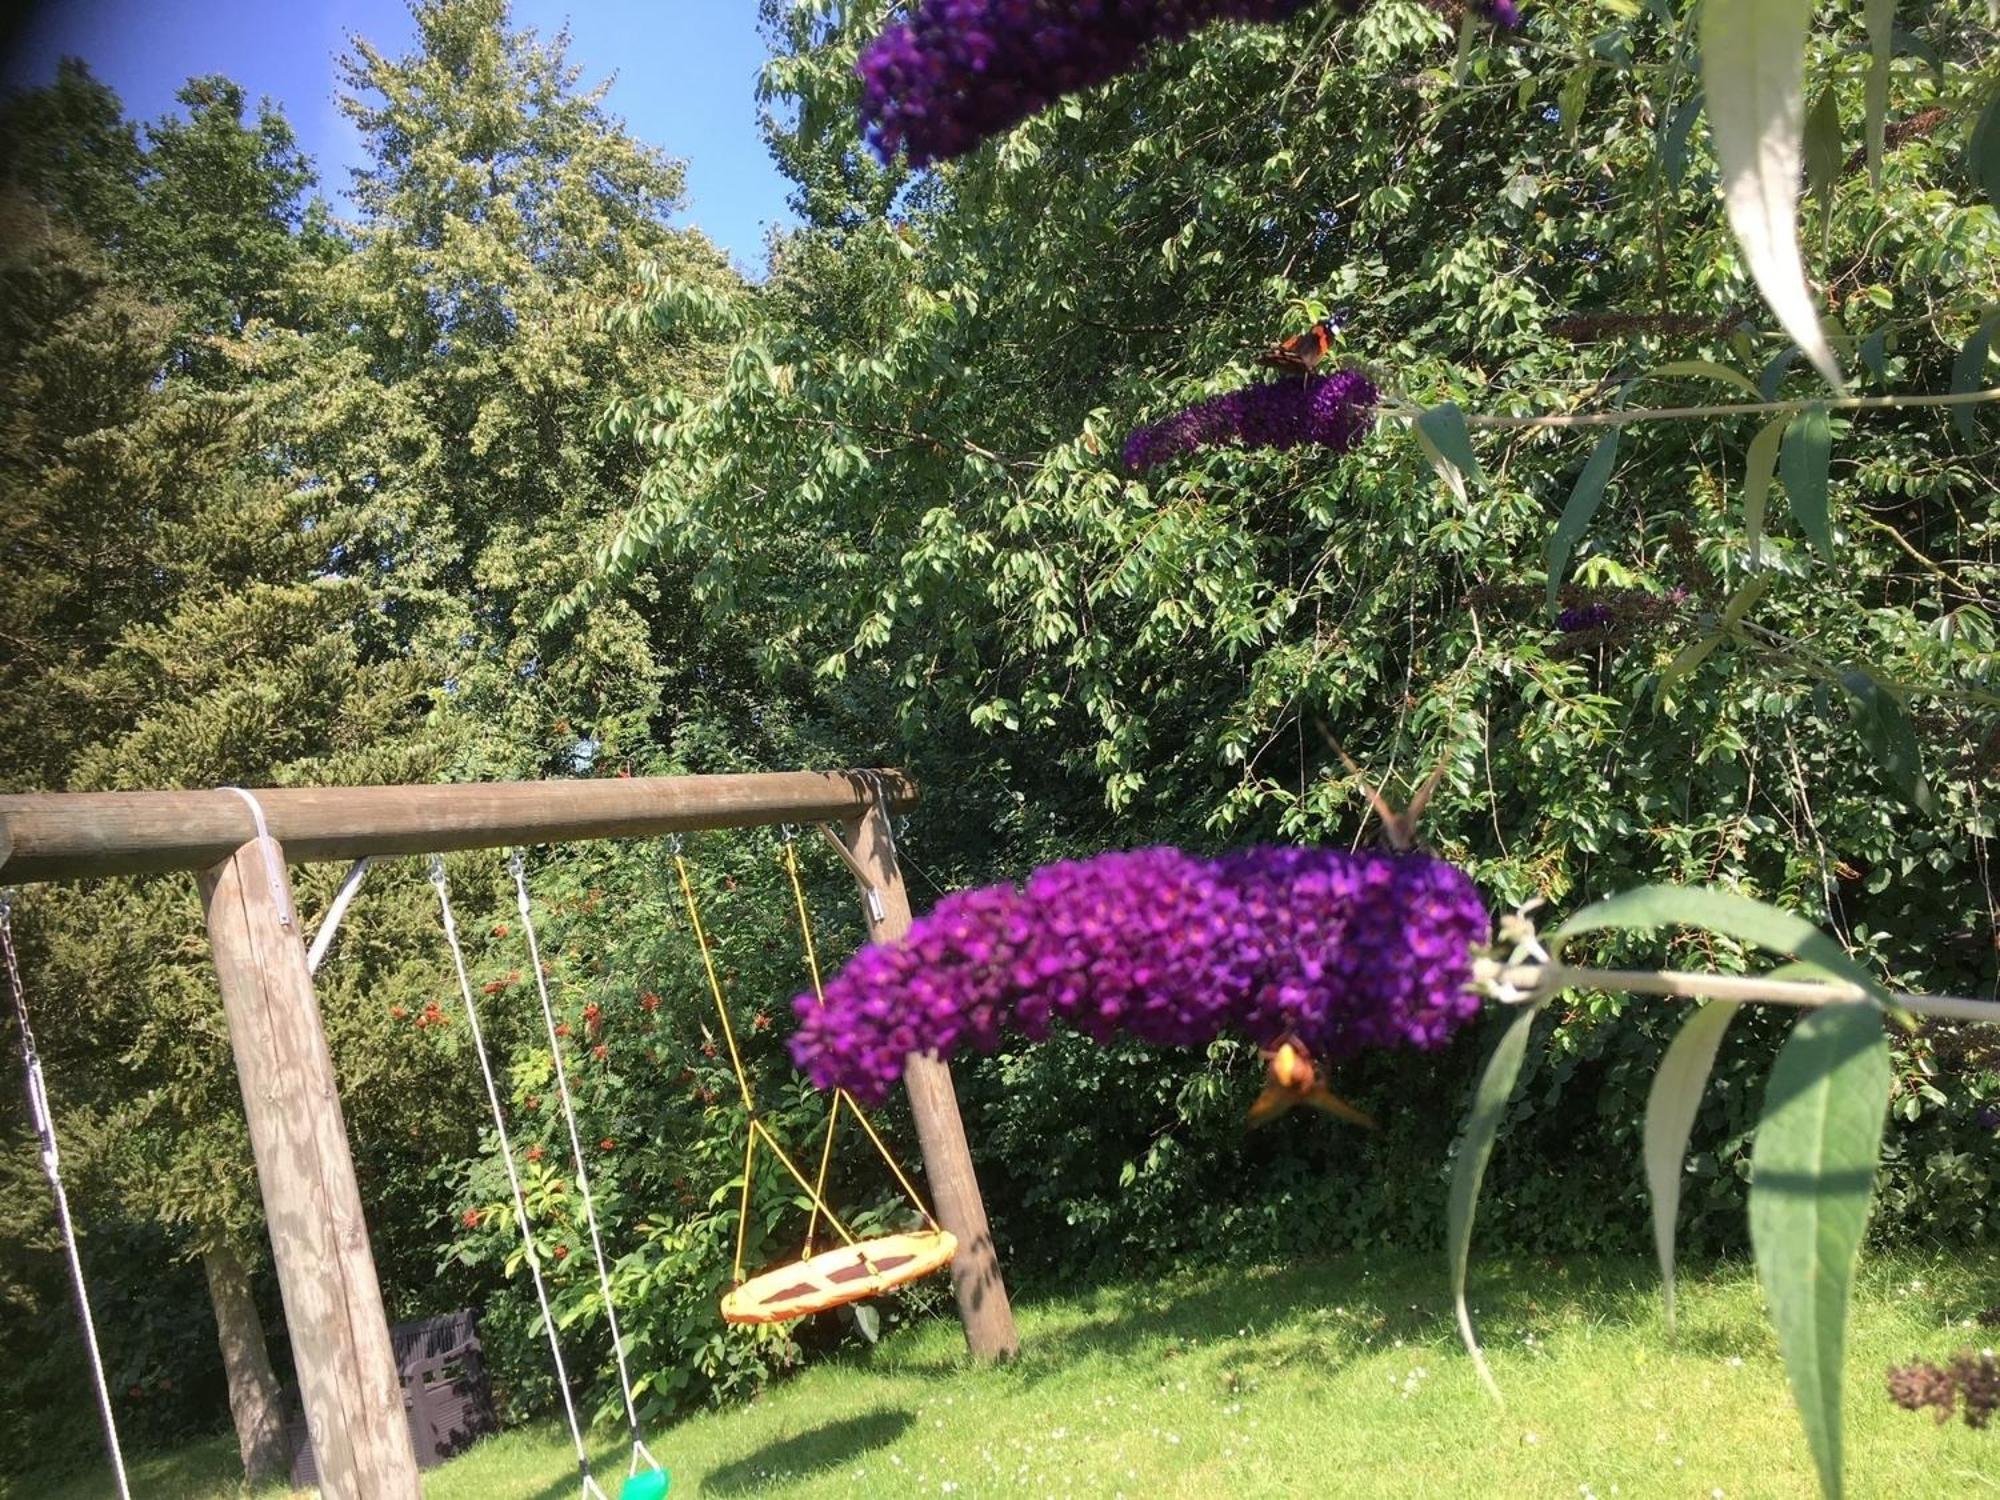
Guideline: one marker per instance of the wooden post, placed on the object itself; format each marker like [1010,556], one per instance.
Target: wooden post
[326,1270]
[975,1270]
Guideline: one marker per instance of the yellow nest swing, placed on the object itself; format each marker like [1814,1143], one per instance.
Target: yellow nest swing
[849,1272]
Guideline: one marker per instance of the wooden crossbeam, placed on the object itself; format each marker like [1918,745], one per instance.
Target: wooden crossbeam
[74,835]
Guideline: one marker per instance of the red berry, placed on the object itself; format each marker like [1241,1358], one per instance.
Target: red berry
[472,1218]
[607,1144]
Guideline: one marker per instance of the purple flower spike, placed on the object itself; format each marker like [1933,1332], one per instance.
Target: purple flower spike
[1333,411]
[1585,617]
[1346,951]
[1505,13]
[958,71]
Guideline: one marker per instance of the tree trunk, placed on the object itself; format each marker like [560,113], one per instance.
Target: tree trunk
[253,1387]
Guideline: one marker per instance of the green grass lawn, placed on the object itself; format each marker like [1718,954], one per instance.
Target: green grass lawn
[1337,1377]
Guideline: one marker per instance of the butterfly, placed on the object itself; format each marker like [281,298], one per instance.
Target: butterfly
[1302,351]
[1295,1080]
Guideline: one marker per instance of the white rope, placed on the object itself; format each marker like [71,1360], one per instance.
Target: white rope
[330,923]
[273,870]
[45,1131]
[513,1177]
[517,863]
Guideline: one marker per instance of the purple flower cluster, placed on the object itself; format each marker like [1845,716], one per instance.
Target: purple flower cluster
[959,71]
[1346,951]
[1333,411]
[1585,617]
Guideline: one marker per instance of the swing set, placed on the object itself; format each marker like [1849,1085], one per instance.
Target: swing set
[326,1271]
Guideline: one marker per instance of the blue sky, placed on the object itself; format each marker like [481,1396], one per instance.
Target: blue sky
[686,74]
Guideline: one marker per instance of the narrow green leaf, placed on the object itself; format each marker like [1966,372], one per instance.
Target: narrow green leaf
[1890,737]
[1881,16]
[1773,374]
[1670,1110]
[1812,1179]
[1875,353]
[1468,1169]
[1649,906]
[1690,656]
[1574,97]
[1584,499]
[1753,72]
[1758,466]
[1744,600]
[1802,464]
[1983,151]
[1461,64]
[1448,471]
[1443,431]
[1708,369]
[1968,373]
[1674,144]
[1822,148]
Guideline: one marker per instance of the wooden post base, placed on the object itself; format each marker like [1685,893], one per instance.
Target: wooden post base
[975,1271]
[319,1241]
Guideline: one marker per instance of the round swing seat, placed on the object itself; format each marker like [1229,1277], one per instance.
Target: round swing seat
[834,1278]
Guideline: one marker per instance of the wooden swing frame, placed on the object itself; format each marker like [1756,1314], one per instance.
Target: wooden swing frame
[239,847]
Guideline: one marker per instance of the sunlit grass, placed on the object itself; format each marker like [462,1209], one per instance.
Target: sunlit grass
[1338,1377]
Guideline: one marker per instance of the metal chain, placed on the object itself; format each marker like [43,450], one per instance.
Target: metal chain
[45,1131]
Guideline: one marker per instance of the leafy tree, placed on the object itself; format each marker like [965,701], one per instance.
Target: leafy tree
[910,485]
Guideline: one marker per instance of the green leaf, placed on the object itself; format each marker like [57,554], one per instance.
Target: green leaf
[1468,1168]
[1982,152]
[1696,652]
[1708,369]
[1802,464]
[1670,1110]
[1753,71]
[1690,656]
[1584,499]
[1649,906]
[1773,374]
[1674,144]
[1758,466]
[1968,373]
[1886,730]
[1442,434]
[1881,16]
[1574,97]
[1875,353]
[1822,148]
[1812,1179]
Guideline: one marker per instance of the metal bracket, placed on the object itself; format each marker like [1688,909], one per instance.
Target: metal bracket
[876,911]
[274,872]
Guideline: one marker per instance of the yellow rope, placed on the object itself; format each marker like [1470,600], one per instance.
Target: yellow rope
[825,1160]
[841,1096]
[743,1207]
[757,1126]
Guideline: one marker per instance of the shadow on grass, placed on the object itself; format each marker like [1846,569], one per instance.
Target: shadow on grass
[813,1451]
[1324,1310]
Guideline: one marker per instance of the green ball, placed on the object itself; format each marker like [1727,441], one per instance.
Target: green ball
[648,1484]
